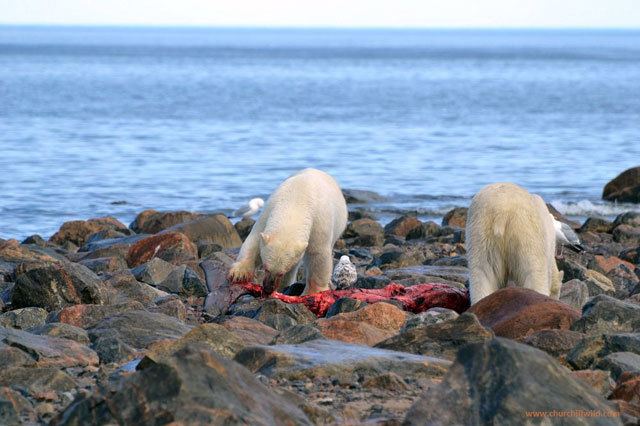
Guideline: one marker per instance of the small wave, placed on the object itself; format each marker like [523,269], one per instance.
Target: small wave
[586,208]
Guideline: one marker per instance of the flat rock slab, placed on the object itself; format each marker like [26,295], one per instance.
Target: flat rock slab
[49,351]
[331,358]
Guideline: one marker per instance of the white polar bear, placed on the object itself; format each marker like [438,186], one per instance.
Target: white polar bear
[301,222]
[510,236]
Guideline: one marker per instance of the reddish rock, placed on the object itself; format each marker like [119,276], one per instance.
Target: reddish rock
[369,325]
[152,221]
[86,316]
[77,231]
[402,226]
[517,312]
[598,380]
[456,218]
[625,187]
[628,391]
[606,264]
[173,247]
[14,252]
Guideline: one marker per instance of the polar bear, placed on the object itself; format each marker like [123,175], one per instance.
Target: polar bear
[301,222]
[510,236]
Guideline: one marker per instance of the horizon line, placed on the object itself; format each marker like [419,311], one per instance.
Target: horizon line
[314,27]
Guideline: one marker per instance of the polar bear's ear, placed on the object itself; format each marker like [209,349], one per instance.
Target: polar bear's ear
[266,238]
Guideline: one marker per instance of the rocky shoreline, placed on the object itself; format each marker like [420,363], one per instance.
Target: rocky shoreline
[106,323]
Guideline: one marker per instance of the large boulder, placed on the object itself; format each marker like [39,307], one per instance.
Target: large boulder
[54,286]
[456,218]
[364,232]
[441,340]
[173,247]
[515,312]
[193,386]
[213,229]
[152,221]
[403,225]
[77,231]
[624,188]
[503,382]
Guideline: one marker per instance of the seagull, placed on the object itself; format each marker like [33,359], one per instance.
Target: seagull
[249,209]
[344,274]
[566,236]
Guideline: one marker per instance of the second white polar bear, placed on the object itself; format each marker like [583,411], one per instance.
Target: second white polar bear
[301,222]
[510,237]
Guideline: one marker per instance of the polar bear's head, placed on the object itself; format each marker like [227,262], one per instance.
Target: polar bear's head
[280,255]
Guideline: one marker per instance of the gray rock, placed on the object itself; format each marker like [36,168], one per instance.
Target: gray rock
[588,352]
[596,224]
[298,333]
[105,264]
[15,409]
[497,382]
[574,293]
[110,245]
[23,318]
[430,317]
[441,340]
[153,272]
[628,218]
[364,232]
[63,330]
[57,285]
[626,234]
[193,386]
[333,359]
[279,315]
[556,343]
[604,314]
[621,362]
[361,196]
[182,280]
[244,227]
[344,304]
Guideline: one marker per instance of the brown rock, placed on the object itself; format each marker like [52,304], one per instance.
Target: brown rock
[606,264]
[251,331]
[173,247]
[625,187]
[628,391]
[554,342]
[456,218]
[369,325]
[77,231]
[365,232]
[152,221]
[599,380]
[402,226]
[14,252]
[518,312]
[214,229]
[87,316]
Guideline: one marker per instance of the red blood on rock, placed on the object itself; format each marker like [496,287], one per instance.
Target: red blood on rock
[417,298]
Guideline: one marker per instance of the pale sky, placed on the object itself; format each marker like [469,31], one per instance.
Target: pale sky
[331,13]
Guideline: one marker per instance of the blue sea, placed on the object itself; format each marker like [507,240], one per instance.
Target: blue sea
[111,121]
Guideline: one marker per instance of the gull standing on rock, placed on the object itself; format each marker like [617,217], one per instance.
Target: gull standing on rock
[249,209]
[566,236]
[344,274]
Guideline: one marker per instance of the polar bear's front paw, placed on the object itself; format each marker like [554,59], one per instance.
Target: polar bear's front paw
[240,272]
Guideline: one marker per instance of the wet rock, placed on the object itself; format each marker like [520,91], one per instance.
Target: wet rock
[77,231]
[598,380]
[589,351]
[624,188]
[402,226]
[23,318]
[49,351]
[621,362]
[298,333]
[62,330]
[604,314]
[497,382]
[152,221]
[279,315]
[626,234]
[596,224]
[518,312]
[137,329]
[251,331]
[426,230]
[87,316]
[361,196]
[105,264]
[441,340]
[344,304]
[174,247]
[336,360]
[574,293]
[556,343]
[215,229]
[456,218]
[182,280]
[430,317]
[364,232]
[369,325]
[243,227]
[57,285]
[153,272]
[193,386]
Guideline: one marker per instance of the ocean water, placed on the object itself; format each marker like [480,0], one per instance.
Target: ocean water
[110,121]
